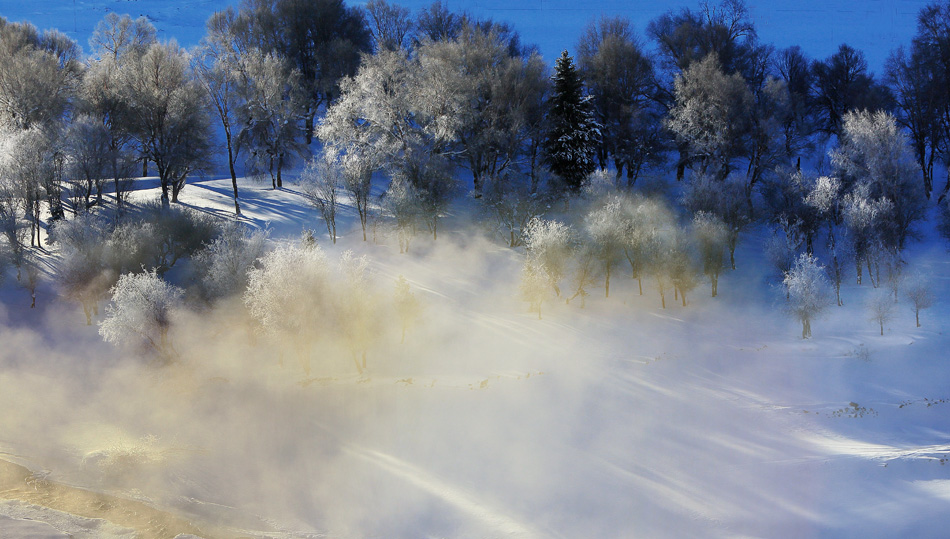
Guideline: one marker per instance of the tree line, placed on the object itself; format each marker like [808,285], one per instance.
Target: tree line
[415,98]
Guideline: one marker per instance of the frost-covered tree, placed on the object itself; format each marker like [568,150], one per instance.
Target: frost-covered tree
[919,291]
[825,198]
[389,117]
[485,93]
[880,305]
[535,285]
[842,84]
[647,218]
[572,135]
[864,218]
[682,267]
[141,312]
[29,169]
[549,245]
[102,98]
[117,35]
[874,153]
[786,193]
[620,76]
[807,290]
[728,199]
[272,105]
[783,246]
[320,182]
[356,315]
[222,265]
[509,206]
[401,202]
[322,40]
[583,272]
[38,73]
[13,224]
[170,117]
[710,115]
[391,25]
[216,65]
[607,227]
[711,236]
[87,145]
[665,246]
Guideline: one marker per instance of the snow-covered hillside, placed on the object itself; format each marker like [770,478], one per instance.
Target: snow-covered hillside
[620,419]
[475,416]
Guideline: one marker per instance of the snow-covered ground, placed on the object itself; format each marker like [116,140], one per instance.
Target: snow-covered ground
[621,419]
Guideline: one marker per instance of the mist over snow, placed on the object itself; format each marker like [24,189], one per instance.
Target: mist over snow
[631,362]
[619,419]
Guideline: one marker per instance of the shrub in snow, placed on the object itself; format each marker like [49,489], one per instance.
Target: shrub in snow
[918,290]
[222,265]
[808,291]
[881,307]
[599,184]
[289,294]
[82,273]
[179,232]
[157,238]
[141,310]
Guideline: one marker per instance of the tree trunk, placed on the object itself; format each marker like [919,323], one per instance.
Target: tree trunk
[917,316]
[237,206]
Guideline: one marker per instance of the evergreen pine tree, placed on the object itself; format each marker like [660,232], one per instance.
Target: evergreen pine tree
[572,137]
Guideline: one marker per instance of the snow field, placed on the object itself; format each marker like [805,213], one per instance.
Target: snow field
[618,419]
